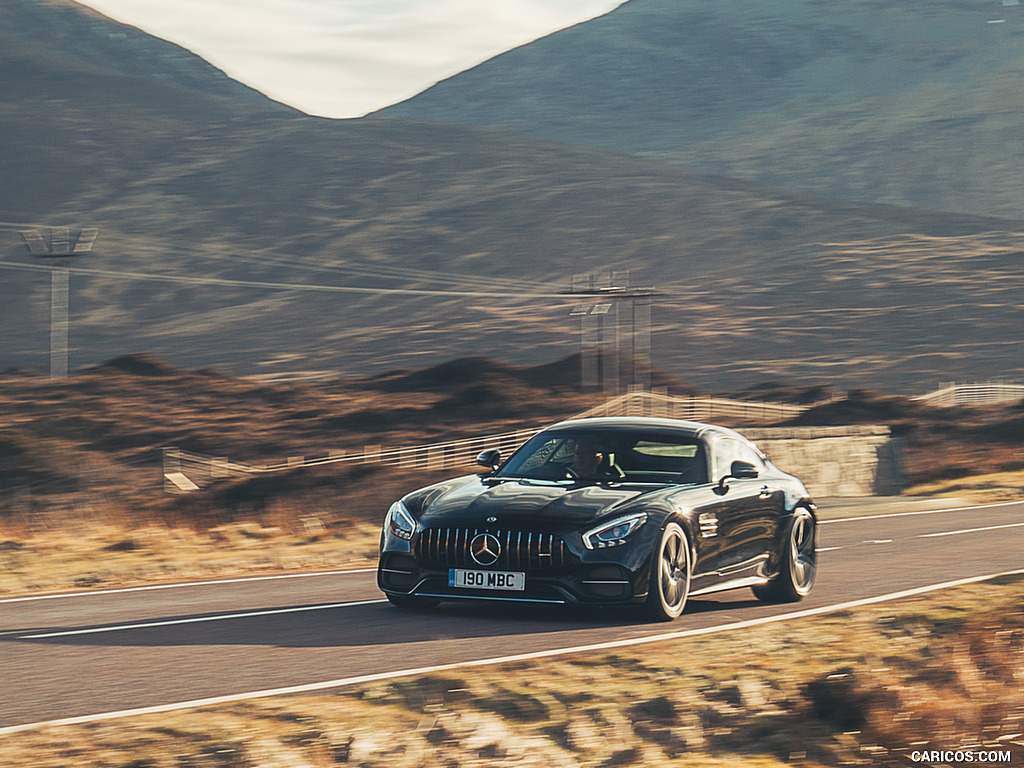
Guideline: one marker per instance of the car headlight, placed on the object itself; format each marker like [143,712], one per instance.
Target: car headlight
[614,532]
[400,522]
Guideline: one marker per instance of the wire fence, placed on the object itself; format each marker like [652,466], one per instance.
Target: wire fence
[660,404]
[974,394]
[185,471]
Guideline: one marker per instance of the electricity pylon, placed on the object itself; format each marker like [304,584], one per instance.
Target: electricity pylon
[61,245]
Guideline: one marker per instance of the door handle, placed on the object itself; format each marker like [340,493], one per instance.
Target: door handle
[766,492]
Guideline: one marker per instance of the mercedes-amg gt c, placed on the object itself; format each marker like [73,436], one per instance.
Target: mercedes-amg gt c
[606,511]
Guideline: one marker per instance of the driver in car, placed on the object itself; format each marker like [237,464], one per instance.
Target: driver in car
[586,458]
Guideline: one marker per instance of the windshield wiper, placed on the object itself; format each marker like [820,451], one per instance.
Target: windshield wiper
[529,480]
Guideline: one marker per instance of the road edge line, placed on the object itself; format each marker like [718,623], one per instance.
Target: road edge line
[358,680]
[916,512]
[183,585]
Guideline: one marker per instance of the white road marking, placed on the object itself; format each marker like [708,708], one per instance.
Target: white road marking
[969,530]
[919,512]
[199,619]
[181,585]
[328,684]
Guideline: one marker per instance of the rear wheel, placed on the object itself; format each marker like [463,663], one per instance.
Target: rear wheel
[798,562]
[670,575]
[413,601]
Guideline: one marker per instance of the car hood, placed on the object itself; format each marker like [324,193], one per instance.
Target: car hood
[522,502]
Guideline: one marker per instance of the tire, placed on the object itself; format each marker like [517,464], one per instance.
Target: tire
[414,602]
[798,562]
[670,575]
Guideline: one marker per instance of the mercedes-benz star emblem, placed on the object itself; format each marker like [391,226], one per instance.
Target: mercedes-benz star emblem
[484,549]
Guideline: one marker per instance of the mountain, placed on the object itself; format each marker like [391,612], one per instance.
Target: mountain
[237,233]
[913,104]
[52,48]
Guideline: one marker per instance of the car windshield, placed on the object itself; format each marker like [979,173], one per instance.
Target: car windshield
[616,456]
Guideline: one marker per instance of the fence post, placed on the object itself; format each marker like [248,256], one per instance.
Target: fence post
[172,460]
[435,458]
[172,466]
[219,467]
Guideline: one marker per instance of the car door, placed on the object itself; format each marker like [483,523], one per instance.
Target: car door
[746,514]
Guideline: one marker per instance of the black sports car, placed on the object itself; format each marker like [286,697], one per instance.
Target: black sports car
[609,511]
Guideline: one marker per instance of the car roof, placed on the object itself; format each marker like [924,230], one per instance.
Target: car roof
[690,428]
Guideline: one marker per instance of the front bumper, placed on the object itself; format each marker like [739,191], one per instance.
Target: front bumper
[578,584]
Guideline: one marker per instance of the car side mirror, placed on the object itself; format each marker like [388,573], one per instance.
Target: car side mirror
[743,470]
[490,458]
[740,470]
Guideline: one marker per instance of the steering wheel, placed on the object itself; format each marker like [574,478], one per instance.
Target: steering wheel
[613,470]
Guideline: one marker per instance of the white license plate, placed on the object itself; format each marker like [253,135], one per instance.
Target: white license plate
[507,580]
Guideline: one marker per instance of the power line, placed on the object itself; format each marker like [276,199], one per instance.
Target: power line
[294,261]
[181,279]
[390,272]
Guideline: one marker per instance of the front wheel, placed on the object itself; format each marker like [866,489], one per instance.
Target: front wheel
[670,575]
[798,562]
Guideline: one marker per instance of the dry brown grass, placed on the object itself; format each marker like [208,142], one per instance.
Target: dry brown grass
[993,487]
[100,556]
[943,671]
[302,521]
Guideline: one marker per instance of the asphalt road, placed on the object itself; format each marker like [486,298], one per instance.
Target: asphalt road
[106,652]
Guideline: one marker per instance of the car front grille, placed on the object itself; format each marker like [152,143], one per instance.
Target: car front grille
[519,550]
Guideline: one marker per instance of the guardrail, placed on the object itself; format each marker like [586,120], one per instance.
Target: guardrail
[185,471]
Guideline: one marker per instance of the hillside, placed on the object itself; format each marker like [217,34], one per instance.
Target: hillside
[92,445]
[913,104]
[237,233]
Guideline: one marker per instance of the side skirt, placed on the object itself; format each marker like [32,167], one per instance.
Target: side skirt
[746,581]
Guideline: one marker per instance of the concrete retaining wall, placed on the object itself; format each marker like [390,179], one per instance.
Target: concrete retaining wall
[836,461]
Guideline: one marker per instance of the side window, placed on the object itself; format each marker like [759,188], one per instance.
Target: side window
[729,450]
